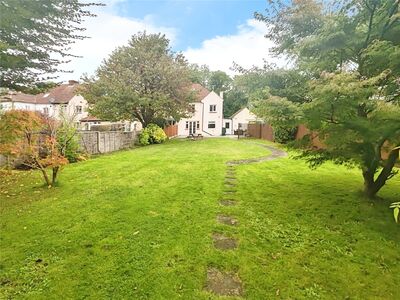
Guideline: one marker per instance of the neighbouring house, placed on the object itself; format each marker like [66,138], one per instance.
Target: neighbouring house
[242,118]
[62,101]
[205,116]
[58,102]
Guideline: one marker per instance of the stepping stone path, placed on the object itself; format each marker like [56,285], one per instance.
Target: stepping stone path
[227,220]
[223,242]
[225,202]
[225,283]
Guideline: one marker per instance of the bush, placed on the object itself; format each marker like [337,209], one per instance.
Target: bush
[284,135]
[152,134]
[67,141]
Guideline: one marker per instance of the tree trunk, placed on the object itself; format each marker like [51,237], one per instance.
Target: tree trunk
[372,185]
[45,176]
[55,172]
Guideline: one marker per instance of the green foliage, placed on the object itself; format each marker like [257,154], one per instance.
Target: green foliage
[199,74]
[290,84]
[152,134]
[219,81]
[396,211]
[33,34]
[282,114]
[67,141]
[144,80]
[350,50]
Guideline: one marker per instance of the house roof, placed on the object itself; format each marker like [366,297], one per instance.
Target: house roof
[90,119]
[200,92]
[61,94]
[21,97]
[240,110]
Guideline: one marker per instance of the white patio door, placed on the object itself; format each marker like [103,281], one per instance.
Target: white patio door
[192,127]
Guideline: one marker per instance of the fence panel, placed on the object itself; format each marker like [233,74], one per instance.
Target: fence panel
[171,130]
[96,142]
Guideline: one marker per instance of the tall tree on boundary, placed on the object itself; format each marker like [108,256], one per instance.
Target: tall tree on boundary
[352,49]
[33,34]
[142,81]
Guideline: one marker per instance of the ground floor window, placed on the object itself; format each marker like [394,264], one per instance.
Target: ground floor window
[211,124]
[198,125]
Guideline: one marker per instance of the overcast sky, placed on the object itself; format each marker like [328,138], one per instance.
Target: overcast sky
[212,32]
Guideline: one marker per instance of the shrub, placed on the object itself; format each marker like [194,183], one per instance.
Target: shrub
[284,135]
[152,134]
[68,143]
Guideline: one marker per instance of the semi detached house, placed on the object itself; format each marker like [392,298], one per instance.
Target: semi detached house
[205,116]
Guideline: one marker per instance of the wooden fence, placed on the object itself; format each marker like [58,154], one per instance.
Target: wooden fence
[266,132]
[261,131]
[171,130]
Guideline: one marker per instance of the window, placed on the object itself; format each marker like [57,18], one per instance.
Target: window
[227,125]
[187,125]
[211,124]
[192,108]
[46,111]
[78,109]
[198,125]
[63,107]
[213,108]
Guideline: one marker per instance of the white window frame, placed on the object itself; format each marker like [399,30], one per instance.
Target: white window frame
[213,108]
[211,123]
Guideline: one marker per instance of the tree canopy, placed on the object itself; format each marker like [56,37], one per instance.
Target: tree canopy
[142,81]
[35,37]
[350,53]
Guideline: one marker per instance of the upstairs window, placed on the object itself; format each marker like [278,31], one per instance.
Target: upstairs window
[213,108]
[211,124]
[78,109]
[227,125]
[46,111]
[192,108]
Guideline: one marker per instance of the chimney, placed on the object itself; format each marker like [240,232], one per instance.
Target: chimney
[221,94]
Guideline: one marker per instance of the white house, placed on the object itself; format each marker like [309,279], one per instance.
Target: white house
[63,101]
[242,118]
[57,102]
[228,126]
[206,115]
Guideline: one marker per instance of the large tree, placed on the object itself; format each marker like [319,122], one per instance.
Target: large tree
[251,84]
[142,81]
[351,49]
[35,38]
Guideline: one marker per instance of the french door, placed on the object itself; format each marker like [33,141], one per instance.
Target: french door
[192,127]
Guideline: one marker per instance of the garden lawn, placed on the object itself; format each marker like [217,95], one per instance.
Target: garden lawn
[137,225]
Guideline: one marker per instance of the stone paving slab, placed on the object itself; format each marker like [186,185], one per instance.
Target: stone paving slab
[226,202]
[227,220]
[223,242]
[223,283]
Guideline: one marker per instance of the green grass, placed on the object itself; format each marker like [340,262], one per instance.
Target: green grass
[137,225]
